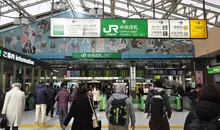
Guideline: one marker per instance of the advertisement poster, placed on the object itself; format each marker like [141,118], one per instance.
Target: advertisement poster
[199,77]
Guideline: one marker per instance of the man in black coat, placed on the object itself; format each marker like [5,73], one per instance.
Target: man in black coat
[51,96]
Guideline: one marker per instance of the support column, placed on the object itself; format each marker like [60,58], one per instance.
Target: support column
[1,76]
[32,80]
[14,73]
[45,76]
[24,75]
[39,75]
[133,80]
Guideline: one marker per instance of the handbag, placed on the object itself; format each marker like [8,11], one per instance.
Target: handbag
[3,122]
[96,124]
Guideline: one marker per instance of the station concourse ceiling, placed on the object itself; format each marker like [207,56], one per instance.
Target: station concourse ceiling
[164,9]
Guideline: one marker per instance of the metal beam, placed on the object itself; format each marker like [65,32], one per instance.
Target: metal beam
[172,8]
[19,9]
[135,9]
[182,14]
[25,6]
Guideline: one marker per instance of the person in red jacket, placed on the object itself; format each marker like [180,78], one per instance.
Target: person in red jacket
[62,98]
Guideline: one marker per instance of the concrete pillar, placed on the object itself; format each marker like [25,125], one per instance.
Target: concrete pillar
[45,76]
[1,76]
[32,80]
[24,75]
[39,75]
[14,73]
[133,80]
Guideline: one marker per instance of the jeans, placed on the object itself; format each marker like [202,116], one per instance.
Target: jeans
[40,108]
[50,108]
[13,128]
[62,115]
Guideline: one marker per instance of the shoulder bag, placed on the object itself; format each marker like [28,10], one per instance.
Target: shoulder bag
[95,122]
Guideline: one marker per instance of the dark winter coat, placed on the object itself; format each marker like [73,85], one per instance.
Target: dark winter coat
[82,114]
[205,111]
[51,93]
[165,98]
[109,92]
[40,94]
[62,98]
[193,96]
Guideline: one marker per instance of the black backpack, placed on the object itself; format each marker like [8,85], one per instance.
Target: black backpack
[118,112]
[198,124]
[157,107]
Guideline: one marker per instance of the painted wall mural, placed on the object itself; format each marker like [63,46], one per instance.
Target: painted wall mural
[34,40]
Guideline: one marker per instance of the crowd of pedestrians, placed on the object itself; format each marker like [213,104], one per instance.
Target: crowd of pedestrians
[119,111]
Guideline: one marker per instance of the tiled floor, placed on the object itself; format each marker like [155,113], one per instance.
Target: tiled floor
[176,122]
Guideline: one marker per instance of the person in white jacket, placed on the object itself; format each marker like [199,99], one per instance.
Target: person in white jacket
[14,106]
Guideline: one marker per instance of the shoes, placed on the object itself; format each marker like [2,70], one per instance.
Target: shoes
[44,123]
[36,123]
[51,116]
[46,114]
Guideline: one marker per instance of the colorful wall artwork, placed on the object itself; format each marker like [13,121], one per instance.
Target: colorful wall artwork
[35,40]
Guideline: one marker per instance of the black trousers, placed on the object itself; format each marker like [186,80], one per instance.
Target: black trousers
[50,108]
[13,128]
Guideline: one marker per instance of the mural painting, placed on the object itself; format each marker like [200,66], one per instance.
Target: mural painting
[34,40]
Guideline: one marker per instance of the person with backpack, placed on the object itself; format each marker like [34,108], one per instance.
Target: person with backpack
[206,113]
[40,96]
[120,110]
[158,107]
[51,101]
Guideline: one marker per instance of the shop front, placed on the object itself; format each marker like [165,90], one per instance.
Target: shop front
[16,67]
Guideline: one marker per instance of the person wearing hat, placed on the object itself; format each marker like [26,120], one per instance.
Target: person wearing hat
[157,107]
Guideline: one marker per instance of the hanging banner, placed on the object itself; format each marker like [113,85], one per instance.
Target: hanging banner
[124,28]
[64,27]
[158,28]
[179,29]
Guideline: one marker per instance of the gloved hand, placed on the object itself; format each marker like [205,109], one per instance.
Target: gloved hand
[169,116]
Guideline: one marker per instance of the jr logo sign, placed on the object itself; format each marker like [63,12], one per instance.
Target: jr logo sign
[111,27]
[58,30]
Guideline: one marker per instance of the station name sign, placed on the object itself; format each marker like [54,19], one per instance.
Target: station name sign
[129,28]
[15,57]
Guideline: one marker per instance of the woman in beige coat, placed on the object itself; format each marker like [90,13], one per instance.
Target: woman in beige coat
[14,106]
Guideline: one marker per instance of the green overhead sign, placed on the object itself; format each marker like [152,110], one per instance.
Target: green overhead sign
[213,70]
[124,28]
[96,55]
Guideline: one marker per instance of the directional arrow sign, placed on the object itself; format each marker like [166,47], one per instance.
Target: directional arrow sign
[180,22]
[124,21]
[161,22]
[158,28]
[198,28]
[179,29]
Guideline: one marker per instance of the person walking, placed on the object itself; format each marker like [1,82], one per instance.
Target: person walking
[73,91]
[62,98]
[158,107]
[14,106]
[120,110]
[51,99]
[40,96]
[109,91]
[81,111]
